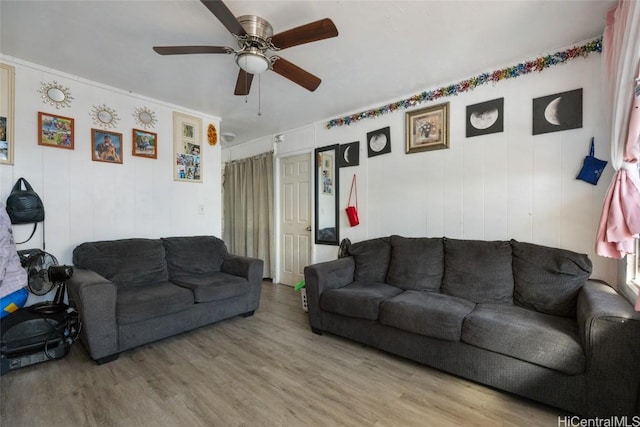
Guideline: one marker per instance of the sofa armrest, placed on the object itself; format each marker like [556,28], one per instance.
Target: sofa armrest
[324,276]
[251,269]
[95,299]
[597,301]
[610,332]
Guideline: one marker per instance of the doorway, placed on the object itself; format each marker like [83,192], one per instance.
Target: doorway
[295,218]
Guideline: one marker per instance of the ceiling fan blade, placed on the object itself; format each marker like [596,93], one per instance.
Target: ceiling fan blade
[224,15]
[296,74]
[314,31]
[243,84]
[184,50]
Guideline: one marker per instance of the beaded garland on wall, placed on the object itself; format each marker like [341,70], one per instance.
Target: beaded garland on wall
[514,71]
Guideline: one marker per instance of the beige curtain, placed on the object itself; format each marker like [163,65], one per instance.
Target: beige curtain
[248,209]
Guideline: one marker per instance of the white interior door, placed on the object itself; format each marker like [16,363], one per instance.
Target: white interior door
[295,217]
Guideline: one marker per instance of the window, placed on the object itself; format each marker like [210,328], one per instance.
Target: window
[631,281]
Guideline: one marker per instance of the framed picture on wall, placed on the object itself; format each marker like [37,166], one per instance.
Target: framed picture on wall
[187,148]
[144,144]
[7,73]
[55,131]
[379,142]
[349,154]
[485,118]
[428,128]
[106,146]
[560,111]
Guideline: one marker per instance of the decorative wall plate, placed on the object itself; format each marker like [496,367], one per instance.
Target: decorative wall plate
[55,94]
[212,134]
[104,116]
[145,117]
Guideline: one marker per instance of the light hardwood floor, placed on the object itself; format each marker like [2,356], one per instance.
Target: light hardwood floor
[265,370]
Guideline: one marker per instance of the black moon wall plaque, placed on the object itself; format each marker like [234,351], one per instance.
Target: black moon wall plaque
[349,154]
[379,142]
[557,112]
[485,118]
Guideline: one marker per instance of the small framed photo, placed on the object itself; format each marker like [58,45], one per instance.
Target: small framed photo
[187,141]
[7,105]
[106,146]
[145,144]
[55,131]
[428,128]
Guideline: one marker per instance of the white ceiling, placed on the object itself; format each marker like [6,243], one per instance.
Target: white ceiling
[385,50]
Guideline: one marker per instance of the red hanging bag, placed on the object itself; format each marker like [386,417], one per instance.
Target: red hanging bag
[352,211]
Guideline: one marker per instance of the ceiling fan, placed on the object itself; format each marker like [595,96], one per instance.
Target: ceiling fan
[255,37]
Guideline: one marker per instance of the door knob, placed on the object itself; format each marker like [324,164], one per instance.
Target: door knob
[309,228]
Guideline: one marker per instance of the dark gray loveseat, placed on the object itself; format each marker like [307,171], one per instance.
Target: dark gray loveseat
[516,316]
[134,291]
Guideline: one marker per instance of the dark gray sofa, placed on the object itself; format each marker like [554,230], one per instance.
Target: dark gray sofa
[134,291]
[516,316]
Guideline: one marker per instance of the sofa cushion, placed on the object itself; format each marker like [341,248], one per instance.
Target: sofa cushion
[426,313]
[416,263]
[478,270]
[548,279]
[194,255]
[371,259]
[539,338]
[213,286]
[358,299]
[151,300]
[126,262]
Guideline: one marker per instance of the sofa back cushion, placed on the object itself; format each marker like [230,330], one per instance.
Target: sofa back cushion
[194,255]
[547,279]
[478,270]
[417,263]
[126,262]
[371,259]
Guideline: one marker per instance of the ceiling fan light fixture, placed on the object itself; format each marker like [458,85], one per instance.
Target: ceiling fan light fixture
[228,137]
[253,61]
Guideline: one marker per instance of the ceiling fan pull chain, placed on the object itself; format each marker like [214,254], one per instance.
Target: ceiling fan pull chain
[259,96]
[246,83]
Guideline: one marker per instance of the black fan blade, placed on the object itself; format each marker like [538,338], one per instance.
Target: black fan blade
[225,16]
[185,50]
[243,84]
[296,74]
[314,31]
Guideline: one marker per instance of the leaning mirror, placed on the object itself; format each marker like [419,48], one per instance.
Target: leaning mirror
[327,195]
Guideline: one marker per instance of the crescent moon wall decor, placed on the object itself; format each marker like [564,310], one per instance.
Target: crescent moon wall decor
[349,154]
[485,117]
[560,111]
[551,112]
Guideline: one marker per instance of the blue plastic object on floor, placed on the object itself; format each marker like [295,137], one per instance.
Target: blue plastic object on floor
[13,302]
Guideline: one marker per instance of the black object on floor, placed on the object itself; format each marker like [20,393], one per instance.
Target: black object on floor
[36,334]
